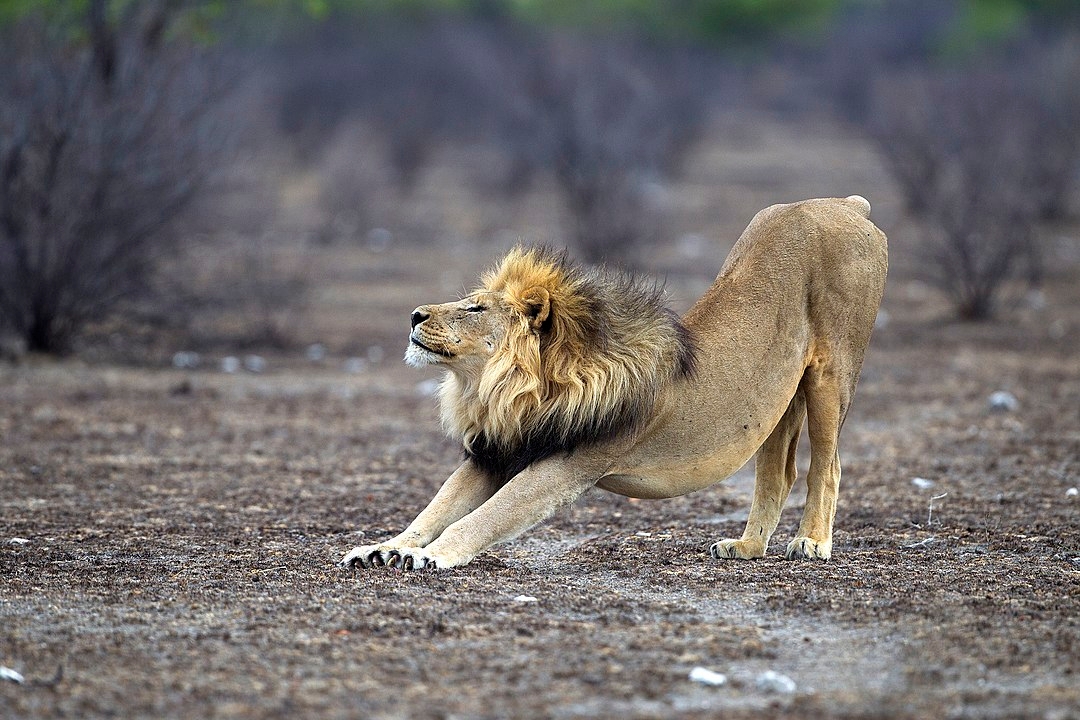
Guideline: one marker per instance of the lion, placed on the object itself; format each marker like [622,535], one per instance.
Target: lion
[561,379]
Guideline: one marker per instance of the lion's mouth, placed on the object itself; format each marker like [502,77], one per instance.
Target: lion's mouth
[433,351]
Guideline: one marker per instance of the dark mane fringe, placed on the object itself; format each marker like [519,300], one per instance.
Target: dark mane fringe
[503,462]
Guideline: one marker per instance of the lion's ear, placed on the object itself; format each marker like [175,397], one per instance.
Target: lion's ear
[537,302]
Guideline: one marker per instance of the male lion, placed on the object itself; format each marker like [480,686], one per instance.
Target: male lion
[561,379]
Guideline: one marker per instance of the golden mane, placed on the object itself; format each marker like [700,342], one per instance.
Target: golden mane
[584,358]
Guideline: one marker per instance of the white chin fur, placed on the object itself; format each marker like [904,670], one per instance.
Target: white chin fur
[417,356]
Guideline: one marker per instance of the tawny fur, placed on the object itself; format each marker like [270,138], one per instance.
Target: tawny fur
[560,380]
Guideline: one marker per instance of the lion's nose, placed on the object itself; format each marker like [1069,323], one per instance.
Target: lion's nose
[419,316]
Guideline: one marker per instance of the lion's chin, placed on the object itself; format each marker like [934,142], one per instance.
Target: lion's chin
[417,356]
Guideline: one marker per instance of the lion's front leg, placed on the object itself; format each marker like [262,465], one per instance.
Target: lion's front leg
[527,499]
[464,491]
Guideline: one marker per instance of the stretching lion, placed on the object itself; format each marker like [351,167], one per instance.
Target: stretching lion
[561,379]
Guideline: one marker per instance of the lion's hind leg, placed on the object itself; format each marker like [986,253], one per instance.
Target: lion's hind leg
[774,470]
[828,396]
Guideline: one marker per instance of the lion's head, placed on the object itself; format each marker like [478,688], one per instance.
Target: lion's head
[545,356]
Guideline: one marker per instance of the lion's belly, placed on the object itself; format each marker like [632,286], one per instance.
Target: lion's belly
[692,445]
[666,475]
[657,485]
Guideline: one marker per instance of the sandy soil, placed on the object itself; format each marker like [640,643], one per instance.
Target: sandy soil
[168,541]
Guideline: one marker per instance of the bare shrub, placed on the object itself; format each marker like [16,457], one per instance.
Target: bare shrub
[405,80]
[102,146]
[980,155]
[607,118]
[1055,97]
[245,292]
[604,116]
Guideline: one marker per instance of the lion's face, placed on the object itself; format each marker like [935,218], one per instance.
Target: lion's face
[461,335]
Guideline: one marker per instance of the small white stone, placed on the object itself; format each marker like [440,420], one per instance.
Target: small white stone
[23,541]
[186,360]
[230,364]
[922,483]
[882,320]
[7,673]
[1072,492]
[316,352]
[772,681]
[705,676]
[525,599]
[1003,401]
[254,363]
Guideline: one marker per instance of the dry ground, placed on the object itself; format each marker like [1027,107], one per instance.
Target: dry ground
[168,543]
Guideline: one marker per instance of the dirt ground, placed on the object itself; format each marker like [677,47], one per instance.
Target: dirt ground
[168,541]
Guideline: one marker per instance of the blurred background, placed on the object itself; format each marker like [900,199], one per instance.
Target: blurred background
[191,179]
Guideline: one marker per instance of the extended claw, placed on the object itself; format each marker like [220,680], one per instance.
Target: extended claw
[366,556]
[372,556]
[807,548]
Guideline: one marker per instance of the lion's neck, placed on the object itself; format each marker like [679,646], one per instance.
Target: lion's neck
[506,425]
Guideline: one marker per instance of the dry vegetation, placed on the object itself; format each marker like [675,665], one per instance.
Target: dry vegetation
[168,537]
[182,526]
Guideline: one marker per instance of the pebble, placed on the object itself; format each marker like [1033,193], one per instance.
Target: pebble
[525,599]
[230,364]
[18,541]
[772,681]
[705,676]
[7,673]
[922,483]
[254,363]
[1072,492]
[316,352]
[186,360]
[1003,401]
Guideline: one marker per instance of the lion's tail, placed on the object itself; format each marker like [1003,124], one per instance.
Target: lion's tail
[859,204]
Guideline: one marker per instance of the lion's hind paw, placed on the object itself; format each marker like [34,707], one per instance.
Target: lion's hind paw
[809,548]
[736,549]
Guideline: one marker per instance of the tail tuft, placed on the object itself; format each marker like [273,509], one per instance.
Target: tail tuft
[860,203]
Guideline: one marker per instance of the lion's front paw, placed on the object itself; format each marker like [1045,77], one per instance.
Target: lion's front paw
[737,549]
[370,556]
[402,558]
[807,547]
